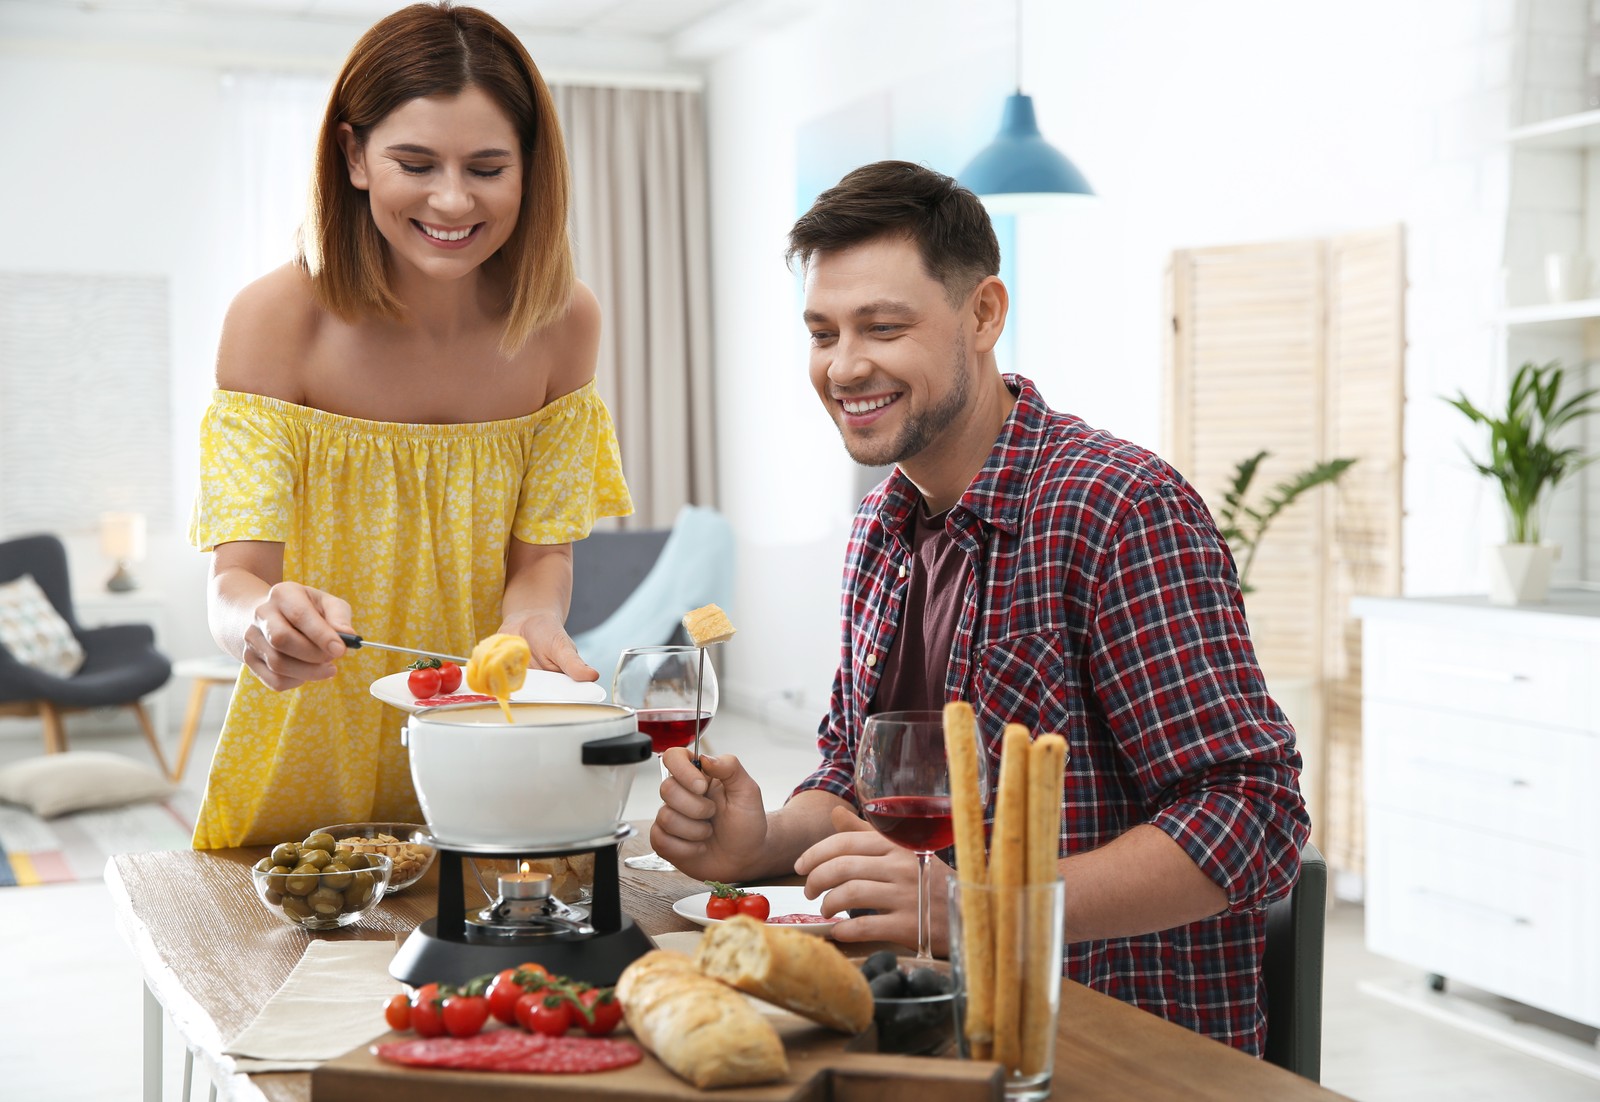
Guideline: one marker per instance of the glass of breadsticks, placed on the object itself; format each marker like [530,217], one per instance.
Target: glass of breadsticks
[1006,905]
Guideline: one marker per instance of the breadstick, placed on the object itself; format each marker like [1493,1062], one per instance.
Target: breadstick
[1006,870]
[1046,759]
[966,811]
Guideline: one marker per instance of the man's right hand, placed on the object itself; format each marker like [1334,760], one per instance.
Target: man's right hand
[712,824]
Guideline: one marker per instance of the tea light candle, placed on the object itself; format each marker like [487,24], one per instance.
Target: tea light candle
[526,884]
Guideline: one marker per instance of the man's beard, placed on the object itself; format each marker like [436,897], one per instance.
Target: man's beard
[918,430]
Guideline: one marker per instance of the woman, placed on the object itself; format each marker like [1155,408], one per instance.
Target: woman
[405,437]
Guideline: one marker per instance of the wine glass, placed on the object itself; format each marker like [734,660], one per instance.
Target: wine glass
[665,686]
[903,787]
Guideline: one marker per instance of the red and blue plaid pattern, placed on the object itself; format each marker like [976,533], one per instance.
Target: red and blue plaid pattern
[1103,604]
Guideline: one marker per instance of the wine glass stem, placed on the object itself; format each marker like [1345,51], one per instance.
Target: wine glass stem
[924,917]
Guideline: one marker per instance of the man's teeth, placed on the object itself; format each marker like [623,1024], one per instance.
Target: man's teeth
[867,406]
[446,235]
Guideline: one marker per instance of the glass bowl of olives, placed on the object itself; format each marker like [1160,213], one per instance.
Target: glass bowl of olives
[913,1003]
[408,846]
[318,884]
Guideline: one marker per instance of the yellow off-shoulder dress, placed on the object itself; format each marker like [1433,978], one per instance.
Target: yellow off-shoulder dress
[411,525]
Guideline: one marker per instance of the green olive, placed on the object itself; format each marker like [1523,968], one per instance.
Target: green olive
[275,878]
[316,858]
[302,881]
[286,853]
[326,901]
[341,851]
[297,908]
[275,898]
[358,861]
[359,894]
[321,840]
[337,876]
[264,864]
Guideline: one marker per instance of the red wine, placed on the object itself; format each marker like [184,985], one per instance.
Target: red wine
[920,823]
[675,727]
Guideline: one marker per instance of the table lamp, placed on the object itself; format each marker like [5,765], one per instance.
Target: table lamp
[122,540]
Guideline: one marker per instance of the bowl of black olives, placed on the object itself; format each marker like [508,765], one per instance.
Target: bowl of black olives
[914,1003]
[320,884]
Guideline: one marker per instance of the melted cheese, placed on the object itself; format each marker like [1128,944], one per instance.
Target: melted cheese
[498,667]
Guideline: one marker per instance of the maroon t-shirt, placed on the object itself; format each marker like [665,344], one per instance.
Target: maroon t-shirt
[915,667]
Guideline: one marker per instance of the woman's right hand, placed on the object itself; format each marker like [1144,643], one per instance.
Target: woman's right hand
[293,635]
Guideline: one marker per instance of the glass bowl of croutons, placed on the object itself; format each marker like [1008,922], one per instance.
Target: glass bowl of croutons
[407,845]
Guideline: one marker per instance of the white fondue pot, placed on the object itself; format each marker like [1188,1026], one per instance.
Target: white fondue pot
[558,773]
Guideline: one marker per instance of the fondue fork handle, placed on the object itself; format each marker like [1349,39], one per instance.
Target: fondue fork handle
[699,687]
[355,642]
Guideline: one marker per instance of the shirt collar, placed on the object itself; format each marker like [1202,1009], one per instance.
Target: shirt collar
[996,495]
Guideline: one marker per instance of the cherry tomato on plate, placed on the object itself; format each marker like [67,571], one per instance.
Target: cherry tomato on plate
[397,1012]
[426,1016]
[721,906]
[449,677]
[464,1015]
[753,904]
[604,1011]
[423,682]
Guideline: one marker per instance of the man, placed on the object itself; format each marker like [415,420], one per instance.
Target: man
[1053,576]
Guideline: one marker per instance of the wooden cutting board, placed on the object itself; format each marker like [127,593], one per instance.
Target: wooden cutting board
[823,1067]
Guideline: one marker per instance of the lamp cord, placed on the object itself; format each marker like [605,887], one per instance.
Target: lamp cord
[1018,46]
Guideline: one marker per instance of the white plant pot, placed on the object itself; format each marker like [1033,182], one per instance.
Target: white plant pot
[1519,573]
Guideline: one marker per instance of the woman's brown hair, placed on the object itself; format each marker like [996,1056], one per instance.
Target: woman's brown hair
[440,50]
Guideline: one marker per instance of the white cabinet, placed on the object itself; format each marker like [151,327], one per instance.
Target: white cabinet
[1482,760]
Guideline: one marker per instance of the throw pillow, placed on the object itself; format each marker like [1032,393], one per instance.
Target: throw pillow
[78,780]
[34,632]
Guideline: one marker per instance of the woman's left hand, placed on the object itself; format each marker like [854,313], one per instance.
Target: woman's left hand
[551,646]
[860,869]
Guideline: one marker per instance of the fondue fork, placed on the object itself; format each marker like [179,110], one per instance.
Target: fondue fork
[355,642]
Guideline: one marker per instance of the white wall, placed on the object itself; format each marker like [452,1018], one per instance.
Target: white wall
[1198,124]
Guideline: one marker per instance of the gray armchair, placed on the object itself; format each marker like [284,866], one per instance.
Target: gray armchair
[121,664]
[1292,967]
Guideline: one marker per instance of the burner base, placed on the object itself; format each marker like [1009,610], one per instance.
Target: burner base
[599,959]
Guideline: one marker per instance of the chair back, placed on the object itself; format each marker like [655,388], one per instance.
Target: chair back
[1292,970]
[606,567]
[45,557]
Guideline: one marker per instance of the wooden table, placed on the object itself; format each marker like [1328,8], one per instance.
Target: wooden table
[212,956]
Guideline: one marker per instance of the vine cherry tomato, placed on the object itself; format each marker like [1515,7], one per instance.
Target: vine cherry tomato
[423,682]
[721,906]
[755,905]
[464,1015]
[549,1014]
[426,1018]
[503,993]
[604,1011]
[449,677]
[397,1012]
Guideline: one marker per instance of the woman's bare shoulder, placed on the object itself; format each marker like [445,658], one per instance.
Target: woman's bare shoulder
[571,344]
[268,335]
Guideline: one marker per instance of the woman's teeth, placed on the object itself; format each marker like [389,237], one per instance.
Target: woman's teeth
[446,235]
[866,406]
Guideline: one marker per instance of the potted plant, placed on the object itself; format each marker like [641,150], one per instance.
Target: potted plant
[1243,525]
[1526,462]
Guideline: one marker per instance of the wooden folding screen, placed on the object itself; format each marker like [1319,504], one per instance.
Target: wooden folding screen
[1298,348]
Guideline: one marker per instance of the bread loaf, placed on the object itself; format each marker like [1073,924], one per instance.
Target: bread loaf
[800,972]
[703,1030]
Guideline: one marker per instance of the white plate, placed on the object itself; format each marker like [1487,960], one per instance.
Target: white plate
[540,685]
[788,900]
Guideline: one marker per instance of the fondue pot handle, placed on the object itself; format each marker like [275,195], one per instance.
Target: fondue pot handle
[629,749]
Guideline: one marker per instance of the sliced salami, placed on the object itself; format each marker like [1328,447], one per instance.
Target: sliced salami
[798,920]
[452,698]
[513,1050]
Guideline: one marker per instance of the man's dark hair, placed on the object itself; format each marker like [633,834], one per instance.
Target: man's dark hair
[945,221]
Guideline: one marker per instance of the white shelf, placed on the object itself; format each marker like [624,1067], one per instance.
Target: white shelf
[1547,312]
[1581,131]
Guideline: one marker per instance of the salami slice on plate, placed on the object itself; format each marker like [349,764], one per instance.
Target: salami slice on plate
[452,698]
[513,1050]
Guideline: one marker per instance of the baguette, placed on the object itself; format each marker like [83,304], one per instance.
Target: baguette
[799,972]
[966,807]
[706,625]
[1046,759]
[704,1031]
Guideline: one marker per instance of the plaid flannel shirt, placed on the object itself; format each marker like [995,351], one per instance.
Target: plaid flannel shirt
[1103,603]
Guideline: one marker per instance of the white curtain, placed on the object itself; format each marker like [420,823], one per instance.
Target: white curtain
[639,222]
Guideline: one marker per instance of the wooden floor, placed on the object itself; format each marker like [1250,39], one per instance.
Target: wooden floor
[70,1018]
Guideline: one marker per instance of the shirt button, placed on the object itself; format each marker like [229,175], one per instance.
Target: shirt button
[902,570]
[872,660]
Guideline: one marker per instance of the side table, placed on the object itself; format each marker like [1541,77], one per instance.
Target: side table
[215,669]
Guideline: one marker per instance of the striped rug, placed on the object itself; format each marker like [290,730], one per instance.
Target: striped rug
[75,847]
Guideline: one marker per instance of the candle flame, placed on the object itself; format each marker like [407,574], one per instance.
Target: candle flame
[526,868]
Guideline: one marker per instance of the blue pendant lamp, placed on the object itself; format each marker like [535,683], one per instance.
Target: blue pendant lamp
[1019,171]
